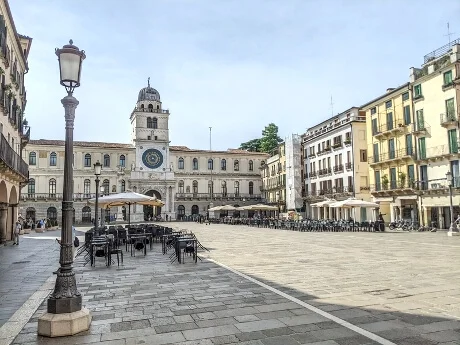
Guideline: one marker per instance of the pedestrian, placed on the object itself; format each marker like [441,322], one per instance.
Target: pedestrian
[17,230]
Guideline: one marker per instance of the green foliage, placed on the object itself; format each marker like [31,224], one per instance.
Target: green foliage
[267,143]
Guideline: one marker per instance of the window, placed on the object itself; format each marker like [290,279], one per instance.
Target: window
[106,160]
[373,110]
[53,159]
[195,164]
[210,164]
[251,188]
[453,143]
[52,188]
[418,91]
[409,148]
[223,164]
[195,209]
[375,129]
[422,148]
[31,188]
[376,153]
[405,96]
[450,109]
[251,165]
[87,188]
[391,149]
[224,188]
[181,187]
[123,186]
[210,188]
[86,214]
[150,107]
[195,187]
[106,187]
[390,124]
[32,158]
[149,122]
[87,160]
[407,119]
[262,163]
[447,78]
[377,180]
[420,119]
[237,189]
[236,165]
[122,161]
[155,123]
[181,163]
[181,211]
[51,213]
[388,104]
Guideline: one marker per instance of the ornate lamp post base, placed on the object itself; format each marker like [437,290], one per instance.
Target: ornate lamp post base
[453,230]
[61,325]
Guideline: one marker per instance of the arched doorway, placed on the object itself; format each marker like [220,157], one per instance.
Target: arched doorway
[180,212]
[86,215]
[51,213]
[150,211]
[195,210]
[30,213]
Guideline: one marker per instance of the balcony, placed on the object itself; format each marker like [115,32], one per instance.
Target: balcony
[448,119]
[337,144]
[338,193]
[347,141]
[324,172]
[439,152]
[394,187]
[421,129]
[312,174]
[338,168]
[11,163]
[389,128]
[311,155]
[55,196]
[217,196]
[401,154]
[438,186]
[348,166]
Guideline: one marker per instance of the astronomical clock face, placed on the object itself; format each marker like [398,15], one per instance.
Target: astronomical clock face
[152,158]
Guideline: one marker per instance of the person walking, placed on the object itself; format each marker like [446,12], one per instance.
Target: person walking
[17,230]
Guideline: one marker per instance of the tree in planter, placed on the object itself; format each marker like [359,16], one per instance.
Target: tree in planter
[402,179]
[385,181]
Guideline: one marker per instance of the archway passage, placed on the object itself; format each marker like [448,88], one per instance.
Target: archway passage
[30,214]
[150,211]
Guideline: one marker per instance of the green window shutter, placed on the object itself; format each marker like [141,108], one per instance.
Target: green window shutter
[453,144]
[422,148]
[376,153]
[420,120]
[374,127]
[409,149]
[450,109]
[407,119]
[391,148]
[389,121]
[377,180]
[448,78]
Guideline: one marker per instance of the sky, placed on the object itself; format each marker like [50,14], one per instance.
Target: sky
[234,65]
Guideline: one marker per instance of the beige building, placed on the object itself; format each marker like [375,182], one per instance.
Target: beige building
[188,181]
[273,175]
[14,50]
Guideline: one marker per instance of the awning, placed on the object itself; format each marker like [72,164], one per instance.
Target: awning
[407,197]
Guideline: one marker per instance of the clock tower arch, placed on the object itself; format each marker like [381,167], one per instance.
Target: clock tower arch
[150,136]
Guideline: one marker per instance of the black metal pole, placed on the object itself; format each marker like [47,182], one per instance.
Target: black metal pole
[65,297]
[96,221]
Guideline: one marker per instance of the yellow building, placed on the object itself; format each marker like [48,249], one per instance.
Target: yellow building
[274,178]
[391,143]
[14,171]
[436,93]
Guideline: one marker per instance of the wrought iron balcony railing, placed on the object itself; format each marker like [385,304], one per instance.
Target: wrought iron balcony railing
[407,152]
[10,160]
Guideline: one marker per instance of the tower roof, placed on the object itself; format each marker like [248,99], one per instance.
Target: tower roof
[148,93]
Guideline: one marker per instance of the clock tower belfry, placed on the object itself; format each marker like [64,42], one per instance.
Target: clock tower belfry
[152,174]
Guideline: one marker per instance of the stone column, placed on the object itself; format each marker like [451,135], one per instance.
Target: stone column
[3,219]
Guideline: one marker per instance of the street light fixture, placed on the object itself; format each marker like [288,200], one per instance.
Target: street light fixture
[65,314]
[453,226]
[278,202]
[97,172]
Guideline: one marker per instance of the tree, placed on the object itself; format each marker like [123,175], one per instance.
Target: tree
[270,138]
[251,145]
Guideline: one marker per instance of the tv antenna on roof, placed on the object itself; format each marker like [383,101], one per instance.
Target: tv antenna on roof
[332,107]
[448,32]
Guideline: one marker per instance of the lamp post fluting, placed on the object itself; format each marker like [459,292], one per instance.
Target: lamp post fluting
[66,299]
[278,202]
[97,172]
[453,225]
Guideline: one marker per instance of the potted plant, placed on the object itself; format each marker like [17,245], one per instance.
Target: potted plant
[402,179]
[385,181]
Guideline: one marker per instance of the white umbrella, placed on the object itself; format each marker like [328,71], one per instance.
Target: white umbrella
[261,207]
[215,208]
[352,202]
[228,208]
[324,203]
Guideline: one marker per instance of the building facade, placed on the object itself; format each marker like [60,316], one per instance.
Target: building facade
[392,153]
[436,92]
[273,175]
[188,181]
[14,51]
[335,163]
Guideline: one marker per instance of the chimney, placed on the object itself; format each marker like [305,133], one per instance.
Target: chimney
[390,89]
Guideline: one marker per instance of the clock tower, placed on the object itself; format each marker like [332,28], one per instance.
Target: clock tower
[152,173]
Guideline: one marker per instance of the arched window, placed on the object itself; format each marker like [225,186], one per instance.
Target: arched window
[87,160]
[53,159]
[149,122]
[86,214]
[236,165]
[51,213]
[31,188]
[195,209]
[223,164]
[195,187]
[150,107]
[224,188]
[142,106]
[158,106]
[251,165]
[180,211]
[251,188]
[262,163]
[210,188]
[106,186]
[187,189]
[195,164]
[181,187]
[87,188]
[123,186]
[237,189]
[52,188]
[114,189]
[106,160]
[30,213]
[122,161]
[32,158]
[181,163]
[155,122]
[134,189]
[210,164]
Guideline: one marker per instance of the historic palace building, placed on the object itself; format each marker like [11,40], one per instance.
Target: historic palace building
[14,50]
[189,181]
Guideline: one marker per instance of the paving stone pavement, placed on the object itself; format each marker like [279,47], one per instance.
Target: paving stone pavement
[355,277]
[23,269]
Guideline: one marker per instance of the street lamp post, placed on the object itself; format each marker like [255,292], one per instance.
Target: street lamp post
[65,315]
[97,172]
[453,226]
[278,202]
